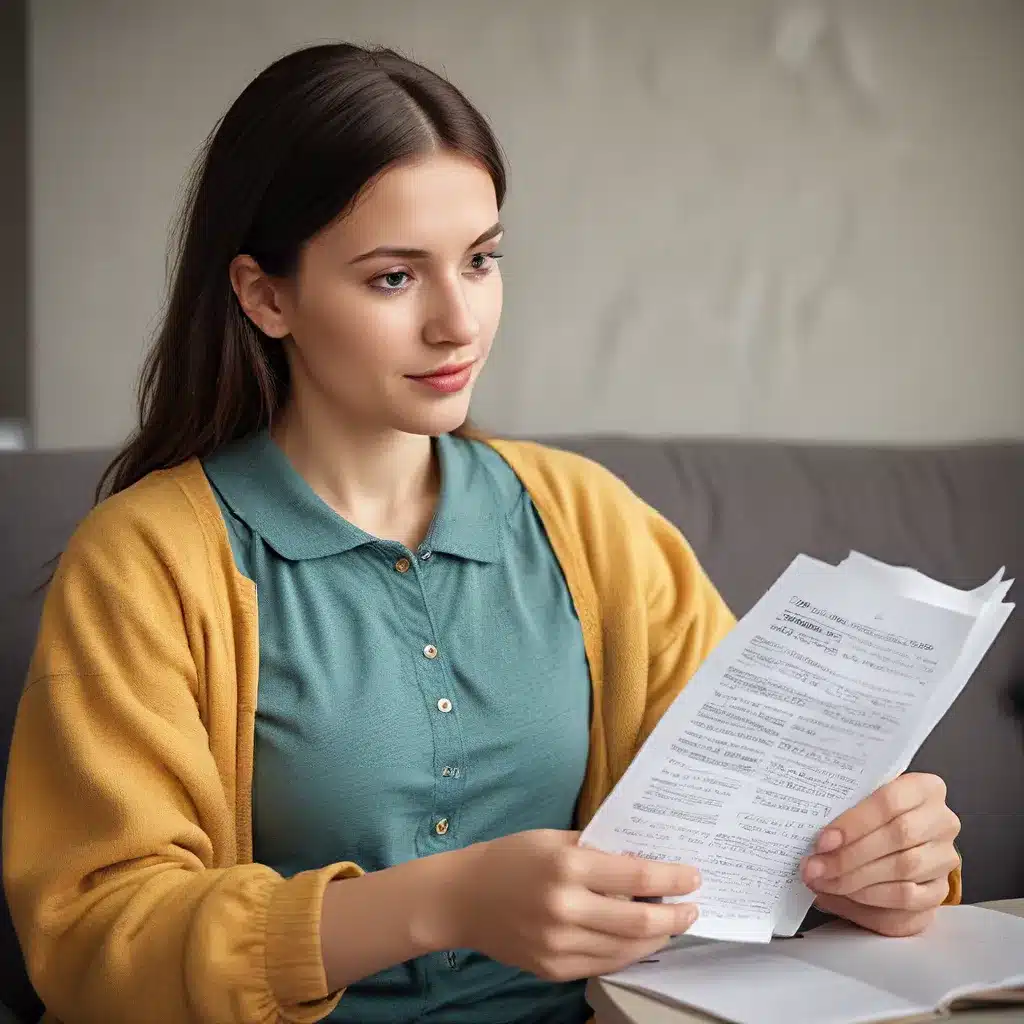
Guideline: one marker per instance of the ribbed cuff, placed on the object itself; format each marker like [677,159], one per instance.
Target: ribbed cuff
[294,961]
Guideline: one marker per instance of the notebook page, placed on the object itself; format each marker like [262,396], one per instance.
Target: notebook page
[749,984]
[967,949]
[839,974]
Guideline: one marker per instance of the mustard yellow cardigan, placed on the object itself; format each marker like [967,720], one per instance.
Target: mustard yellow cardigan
[128,822]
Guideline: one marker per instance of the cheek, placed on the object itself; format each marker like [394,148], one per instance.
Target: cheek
[488,309]
[346,327]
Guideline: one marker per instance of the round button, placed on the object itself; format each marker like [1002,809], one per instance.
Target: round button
[447,771]
[441,827]
[403,565]
[444,705]
[430,651]
[425,555]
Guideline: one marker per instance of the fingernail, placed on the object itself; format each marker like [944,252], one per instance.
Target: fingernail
[830,840]
[696,881]
[814,868]
[691,914]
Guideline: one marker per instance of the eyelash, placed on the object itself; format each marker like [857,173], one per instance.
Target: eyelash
[478,272]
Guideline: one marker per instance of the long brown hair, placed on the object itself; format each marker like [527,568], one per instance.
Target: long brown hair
[290,156]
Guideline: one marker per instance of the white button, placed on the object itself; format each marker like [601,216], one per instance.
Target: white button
[430,651]
[444,705]
[448,772]
[425,555]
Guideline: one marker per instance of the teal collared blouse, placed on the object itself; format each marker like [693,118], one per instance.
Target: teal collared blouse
[410,702]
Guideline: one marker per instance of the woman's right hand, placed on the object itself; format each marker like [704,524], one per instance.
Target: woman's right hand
[540,902]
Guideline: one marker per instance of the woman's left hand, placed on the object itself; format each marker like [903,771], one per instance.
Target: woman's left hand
[885,863]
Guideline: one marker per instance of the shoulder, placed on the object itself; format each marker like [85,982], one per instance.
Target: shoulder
[594,515]
[140,571]
[567,481]
[169,516]
[483,467]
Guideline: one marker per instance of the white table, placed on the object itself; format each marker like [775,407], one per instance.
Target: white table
[615,1005]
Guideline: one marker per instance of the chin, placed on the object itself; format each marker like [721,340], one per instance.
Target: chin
[442,419]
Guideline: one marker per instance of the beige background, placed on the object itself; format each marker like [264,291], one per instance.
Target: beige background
[744,217]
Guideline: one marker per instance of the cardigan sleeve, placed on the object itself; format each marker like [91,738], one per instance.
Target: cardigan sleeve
[118,841]
[687,617]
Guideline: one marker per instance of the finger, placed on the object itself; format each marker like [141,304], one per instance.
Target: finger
[884,921]
[617,964]
[914,896]
[928,822]
[619,875]
[625,919]
[918,864]
[890,801]
[854,868]
[600,946]
[559,966]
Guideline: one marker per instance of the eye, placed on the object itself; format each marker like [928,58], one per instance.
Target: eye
[484,262]
[393,281]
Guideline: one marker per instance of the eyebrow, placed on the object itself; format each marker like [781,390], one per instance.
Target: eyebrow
[413,254]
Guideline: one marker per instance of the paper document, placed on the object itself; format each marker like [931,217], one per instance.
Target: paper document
[822,692]
[839,974]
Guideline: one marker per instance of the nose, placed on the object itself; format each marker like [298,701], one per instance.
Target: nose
[451,320]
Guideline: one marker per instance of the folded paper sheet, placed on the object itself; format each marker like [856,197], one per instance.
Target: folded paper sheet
[823,691]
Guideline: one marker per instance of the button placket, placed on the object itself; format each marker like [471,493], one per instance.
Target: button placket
[435,684]
[447,748]
[441,818]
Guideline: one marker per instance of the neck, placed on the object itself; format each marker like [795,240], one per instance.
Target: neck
[384,481]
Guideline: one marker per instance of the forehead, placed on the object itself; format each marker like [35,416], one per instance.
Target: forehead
[440,200]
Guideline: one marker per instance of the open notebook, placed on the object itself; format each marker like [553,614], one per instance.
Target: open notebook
[838,974]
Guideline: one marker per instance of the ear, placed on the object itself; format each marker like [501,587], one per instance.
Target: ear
[260,296]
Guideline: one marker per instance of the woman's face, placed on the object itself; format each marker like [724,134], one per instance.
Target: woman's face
[402,287]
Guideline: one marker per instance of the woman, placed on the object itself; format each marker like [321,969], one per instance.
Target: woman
[323,686]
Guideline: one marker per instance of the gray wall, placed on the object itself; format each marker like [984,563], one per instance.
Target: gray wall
[746,217]
[14,383]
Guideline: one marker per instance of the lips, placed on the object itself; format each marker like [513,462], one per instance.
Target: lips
[444,371]
[448,379]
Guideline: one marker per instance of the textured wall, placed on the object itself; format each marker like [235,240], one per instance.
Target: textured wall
[741,217]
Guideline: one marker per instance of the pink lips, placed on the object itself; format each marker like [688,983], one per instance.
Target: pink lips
[448,381]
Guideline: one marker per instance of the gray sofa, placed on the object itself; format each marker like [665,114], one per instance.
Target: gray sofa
[748,508]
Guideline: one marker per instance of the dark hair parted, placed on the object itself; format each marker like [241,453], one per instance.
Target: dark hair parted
[290,156]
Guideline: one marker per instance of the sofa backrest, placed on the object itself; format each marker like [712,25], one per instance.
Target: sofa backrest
[43,495]
[955,514]
[747,508]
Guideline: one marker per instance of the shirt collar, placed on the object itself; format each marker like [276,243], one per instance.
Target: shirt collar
[469,519]
[258,483]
